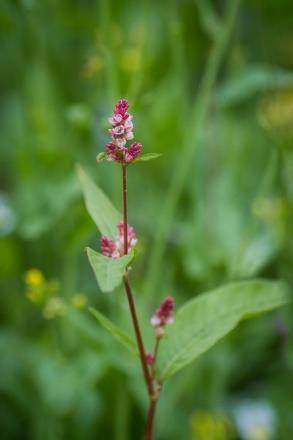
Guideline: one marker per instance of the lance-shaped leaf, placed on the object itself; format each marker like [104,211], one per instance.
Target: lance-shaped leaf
[118,334]
[108,271]
[99,207]
[147,156]
[201,322]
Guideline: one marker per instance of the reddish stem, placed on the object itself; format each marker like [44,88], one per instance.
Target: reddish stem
[139,340]
[129,294]
[125,220]
[150,420]
[155,356]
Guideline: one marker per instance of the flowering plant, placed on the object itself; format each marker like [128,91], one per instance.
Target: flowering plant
[198,324]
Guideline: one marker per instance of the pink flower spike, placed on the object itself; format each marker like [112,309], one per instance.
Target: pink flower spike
[150,358]
[122,124]
[164,314]
[115,248]
[108,247]
[131,238]
[121,132]
[121,107]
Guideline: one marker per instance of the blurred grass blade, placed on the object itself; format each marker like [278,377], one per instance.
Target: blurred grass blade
[118,334]
[253,79]
[185,160]
[201,322]
[209,21]
[108,271]
[101,210]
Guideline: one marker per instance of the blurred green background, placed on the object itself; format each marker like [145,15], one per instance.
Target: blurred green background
[211,88]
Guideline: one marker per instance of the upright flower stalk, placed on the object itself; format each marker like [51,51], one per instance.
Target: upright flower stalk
[117,150]
[128,290]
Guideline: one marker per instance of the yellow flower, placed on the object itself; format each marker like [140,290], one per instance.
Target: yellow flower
[54,308]
[205,425]
[276,110]
[259,432]
[79,300]
[34,277]
[269,209]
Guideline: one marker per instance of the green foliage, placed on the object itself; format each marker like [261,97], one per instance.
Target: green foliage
[252,80]
[142,158]
[101,156]
[117,333]
[225,176]
[108,271]
[146,157]
[98,205]
[200,323]
[208,18]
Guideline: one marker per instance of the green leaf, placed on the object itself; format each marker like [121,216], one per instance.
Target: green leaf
[108,271]
[201,322]
[118,334]
[98,205]
[101,157]
[146,157]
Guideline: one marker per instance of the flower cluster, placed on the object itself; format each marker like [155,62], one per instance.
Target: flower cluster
[121,132]
[115,248]
[163,315]
[45,294]
[122,124]
[39,289]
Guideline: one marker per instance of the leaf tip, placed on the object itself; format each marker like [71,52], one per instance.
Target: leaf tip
[101,157]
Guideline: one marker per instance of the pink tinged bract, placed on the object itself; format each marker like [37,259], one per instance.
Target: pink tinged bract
[164,313]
